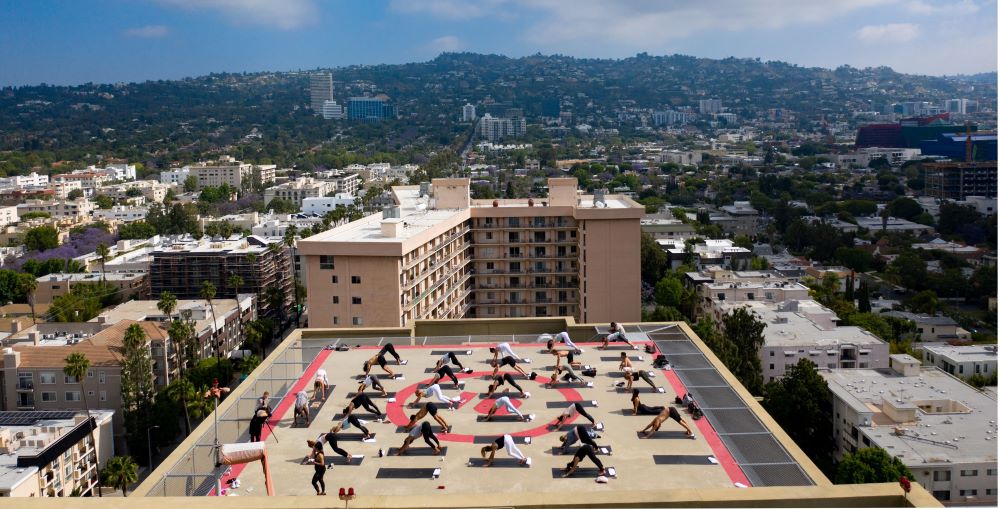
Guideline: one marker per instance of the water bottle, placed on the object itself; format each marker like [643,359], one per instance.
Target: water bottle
[381,453]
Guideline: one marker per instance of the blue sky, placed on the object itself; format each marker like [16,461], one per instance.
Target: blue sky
[79,41]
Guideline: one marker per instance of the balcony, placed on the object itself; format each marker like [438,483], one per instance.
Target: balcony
[25,386]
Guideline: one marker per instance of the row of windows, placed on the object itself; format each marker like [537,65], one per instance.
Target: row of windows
[355,320]
[52,397]
[355,280]
[354,300]
[49,378]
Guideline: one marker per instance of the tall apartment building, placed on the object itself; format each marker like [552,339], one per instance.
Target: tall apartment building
[495,129]
[941,428]
[370,109]
[333,111]
[225,170]
[298,190]
[320,90]
[709,106]
[438,254]
[469,113]
[959,106]
[181,266]
[53,454]
[956,181]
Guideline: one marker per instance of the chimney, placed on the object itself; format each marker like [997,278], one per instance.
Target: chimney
[35,337]
[102,319]
[392,227]
[15,326]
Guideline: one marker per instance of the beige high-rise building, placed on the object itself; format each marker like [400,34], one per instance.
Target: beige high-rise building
[439,254]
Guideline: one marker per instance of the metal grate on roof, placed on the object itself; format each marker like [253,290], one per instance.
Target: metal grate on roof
[737,420]
[701,378]
[787,474]
[29,418]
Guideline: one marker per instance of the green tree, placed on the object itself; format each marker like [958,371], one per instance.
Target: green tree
[77,365]
[864,298]
[289,241]
[801,404]
[41,238]
[207,292]
[870,465]
[183,394]
[236,281]
[137,388]
[924,302]
[724,349]
[75,194]
[906,208]
[104,201]
[136,230]
[103,252]
[744,328]
[167,304]
[190,184]
[120,472]
[910,270]
[668,292]
[653,260]
[27,284]
[282,206]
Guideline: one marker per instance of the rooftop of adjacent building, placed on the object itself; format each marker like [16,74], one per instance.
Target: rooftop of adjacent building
[802,323]
[201,313]
[928,417]
[88,277]
[100,347]
[30,433]
[236,244]
[966,353]
[892,223]
[923,319]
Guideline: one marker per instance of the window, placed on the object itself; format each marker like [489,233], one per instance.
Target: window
[990,492]
[336,299]
[969,473]
[355,300]
[968,493]
[70,379]
[771,353]
[489,235]
[355,280]
[72,395]
[721,296]
[103,395]
[771,366]
[356,320]
[90,373]
[490,266]
[539,310]
[991,471]
[326,262]
[49,397]
[942,475]
[749,296]
[47,378]
[102,377]
[333,279]
[336,320]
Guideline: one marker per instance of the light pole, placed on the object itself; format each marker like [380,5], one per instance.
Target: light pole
[216,392]
[149,445]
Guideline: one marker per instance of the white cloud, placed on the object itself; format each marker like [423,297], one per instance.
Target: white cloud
[445,44]
[148,31]
[282,14]
[453,9]
[959,8]
[892,32]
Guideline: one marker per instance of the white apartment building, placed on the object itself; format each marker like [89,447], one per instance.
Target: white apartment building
[804,329]
[62,188]
[50,454]
[175,176]
[277,225]
[325,204]
[298,190]
[983,205]
[114,171]
[151,190]
[468,113]
[710,252]
[333,111]
[60,209]
[87,179]
[121,213]
[8,215]
[962,361]
[709,106]
[21,181]
[862,157]
[350,183]
[494,129]
[941,428]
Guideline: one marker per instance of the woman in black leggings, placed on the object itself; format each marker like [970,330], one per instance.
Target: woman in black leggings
[391,350]
[445,371]
[429,438]
[428,408]
[450,356]
[319,469]
[574,435]
[639,408]
[585,450]
[500,380]
[351,420]
[362,401]
[380,360]
[331,440]
[569,413]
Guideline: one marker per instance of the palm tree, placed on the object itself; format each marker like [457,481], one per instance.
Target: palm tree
[103,252]
[167,304]
[120,473]
[182,392]
[208,293]
[28,284]
[77,365]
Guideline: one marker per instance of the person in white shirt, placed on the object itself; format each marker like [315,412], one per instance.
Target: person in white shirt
[435,390]
[507,442]
[321,382]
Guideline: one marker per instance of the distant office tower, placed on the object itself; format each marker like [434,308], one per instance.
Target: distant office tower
[709,106]
[333,111]
[959,106]
[494,129]
[468,113]
[371,109]
[320,90]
